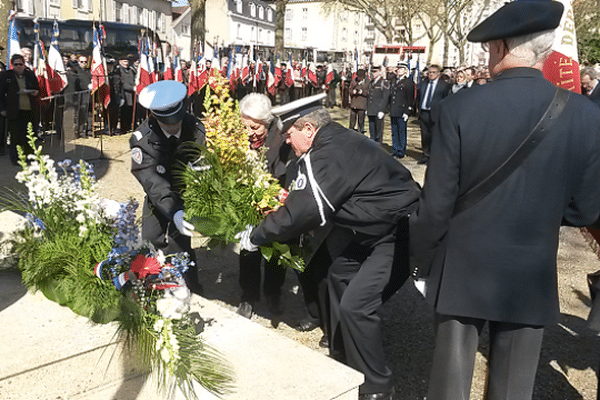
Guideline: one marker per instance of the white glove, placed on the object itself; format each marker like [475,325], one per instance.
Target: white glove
[405,117]
[244,237]
[184,227]
[380,115]
[421,285]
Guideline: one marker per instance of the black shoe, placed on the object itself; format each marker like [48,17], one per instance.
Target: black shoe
[377,396]
[324,342]
[274,305]
[306,325]
[245,309]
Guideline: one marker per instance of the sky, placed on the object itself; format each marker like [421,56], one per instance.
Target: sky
[180,3]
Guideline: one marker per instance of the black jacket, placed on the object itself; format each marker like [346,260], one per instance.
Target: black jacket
[347,179]
[9,88]
[402,97]
[497,259]
[378,96]
[154,158]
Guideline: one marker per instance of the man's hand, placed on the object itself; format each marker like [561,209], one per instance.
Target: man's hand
[244,237]
[405,117]
[3,113]
[184,227]
[421,285]
[380,115]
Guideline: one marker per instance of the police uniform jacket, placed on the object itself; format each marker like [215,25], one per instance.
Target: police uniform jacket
[402,97]
[378,96]
[154,158]
[497,259]
[9,92]
[347,179]
[358,101]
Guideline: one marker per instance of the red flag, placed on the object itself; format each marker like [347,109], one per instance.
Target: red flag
[329,76]
[168,69]
[99,78]
[277,72]
[40,63]
[57,76]
[289,76]
[271,86]
[143,78]
[312,74]
[562,66]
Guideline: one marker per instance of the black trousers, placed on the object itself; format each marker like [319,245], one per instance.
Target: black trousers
[426,128]
[250,276]
[162,233]
[356,114]
[17,127]
[513,359]
[357,281]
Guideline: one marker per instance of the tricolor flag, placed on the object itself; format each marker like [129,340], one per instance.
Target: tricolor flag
[13,38]
[329,76]
[271,81]
[277,72]
[142,78]
[178,73]
[168,68]
[312,74]
[39,62]
[245,73]
[99,76]
[304,69]
[289,76]
[57,75]
[355,64]
[562,66]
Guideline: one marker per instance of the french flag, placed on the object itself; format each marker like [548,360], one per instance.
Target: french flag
[57,76]
[178,73]
[99,78]
[271,81]
[168,68]
[13,38]
[289,76]
[39,62]
[143,77]
[312,74]
[329,76]
[277,72]
[304,70]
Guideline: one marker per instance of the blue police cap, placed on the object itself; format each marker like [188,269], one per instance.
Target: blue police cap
[165,99]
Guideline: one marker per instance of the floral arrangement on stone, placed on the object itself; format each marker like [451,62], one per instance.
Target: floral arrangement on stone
[232,188]
[84,253]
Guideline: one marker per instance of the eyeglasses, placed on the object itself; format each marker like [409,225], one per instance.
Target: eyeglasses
[82,62]
[18,64]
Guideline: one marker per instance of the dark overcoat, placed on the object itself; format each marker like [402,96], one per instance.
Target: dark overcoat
[358,100]
[442,90]
[378,96]
[497,259]
[595,95]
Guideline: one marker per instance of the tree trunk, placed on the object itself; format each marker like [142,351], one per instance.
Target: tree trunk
[198,29]
[5,5]
[279,27]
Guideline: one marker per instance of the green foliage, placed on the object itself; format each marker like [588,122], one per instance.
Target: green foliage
[589,49]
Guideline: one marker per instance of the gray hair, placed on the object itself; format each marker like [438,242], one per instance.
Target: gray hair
[589,71]
[532,48]
[316,118]
[257,106]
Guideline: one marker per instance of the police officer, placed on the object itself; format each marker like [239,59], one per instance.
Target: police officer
[154,154]
[378,97]
[402,96]
[349,181]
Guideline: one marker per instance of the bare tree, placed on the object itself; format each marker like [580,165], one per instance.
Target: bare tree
[5,5]
[408,12]
[279,25]
[431,17]
[461,17]
[198,28]
[586,17]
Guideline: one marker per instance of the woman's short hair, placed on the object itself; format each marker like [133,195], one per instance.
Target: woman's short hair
[258,107]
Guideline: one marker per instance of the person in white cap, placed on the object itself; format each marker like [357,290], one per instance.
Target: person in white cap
[402,97]
[348,180]
[154,154]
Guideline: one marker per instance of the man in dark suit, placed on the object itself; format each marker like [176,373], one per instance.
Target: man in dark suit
[402,96]
[126,92]
[19,89]
[429,96]
[378,98]
[495,261]
[589,83]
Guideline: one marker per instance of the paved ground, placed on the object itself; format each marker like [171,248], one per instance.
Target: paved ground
[570,354]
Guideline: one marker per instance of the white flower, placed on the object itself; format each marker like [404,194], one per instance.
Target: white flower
[158,325]
[165,355]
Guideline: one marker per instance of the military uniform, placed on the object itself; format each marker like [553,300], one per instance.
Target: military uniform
[402,96]
[378,97]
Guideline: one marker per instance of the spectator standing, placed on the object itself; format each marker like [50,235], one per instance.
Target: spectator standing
[126,93]
[359,88]
[589,83]
[84,75]
[492,258]
[402,96]
[460,83]
[18,92]
[428,98]
[378,97]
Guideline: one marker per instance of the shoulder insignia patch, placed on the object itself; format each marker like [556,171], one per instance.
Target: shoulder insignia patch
[301,181]
[137,135]
[161,169]
[136,155]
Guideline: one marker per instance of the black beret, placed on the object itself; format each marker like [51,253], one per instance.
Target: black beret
[291,112]
[518,18]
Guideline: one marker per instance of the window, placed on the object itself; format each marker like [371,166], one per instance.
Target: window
[270,14]
[356,17]
[253,9]
[134,15]
[252,34]
[118,12]
[163,22]
[288,34]
[90,6]
[185,29]
[239,31]
[125,13]
[344,34]
[146,13]
[55,2]
[74,4]
[288,14]
[304,14]
[153,20]
[260,34]
[261,12]
[344,15]
[239,6]
[304,32]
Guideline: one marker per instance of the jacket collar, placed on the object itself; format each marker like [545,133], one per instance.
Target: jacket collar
[519,72]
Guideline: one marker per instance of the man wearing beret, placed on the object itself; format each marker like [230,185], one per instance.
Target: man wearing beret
[154,155]
[348,180]
[490,255]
